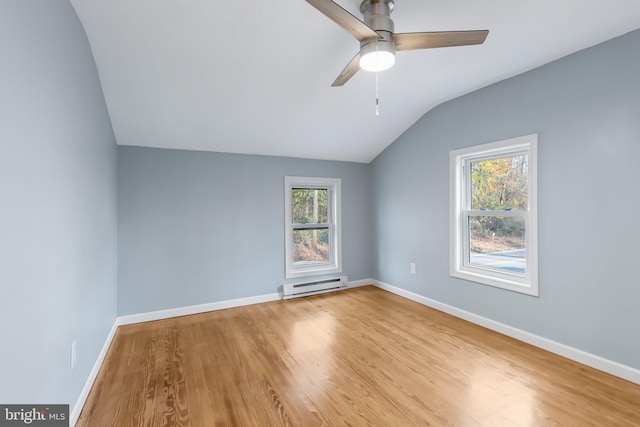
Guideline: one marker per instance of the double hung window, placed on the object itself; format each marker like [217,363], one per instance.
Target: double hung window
[494,214]
[312,226]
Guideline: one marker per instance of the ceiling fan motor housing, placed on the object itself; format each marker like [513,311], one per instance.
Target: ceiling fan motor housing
[377,16]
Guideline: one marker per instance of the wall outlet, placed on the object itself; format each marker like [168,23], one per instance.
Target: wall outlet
[412,267]
[72,358]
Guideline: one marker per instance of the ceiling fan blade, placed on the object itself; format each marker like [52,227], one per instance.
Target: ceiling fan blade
[340,16]
[412,41]
[352,67]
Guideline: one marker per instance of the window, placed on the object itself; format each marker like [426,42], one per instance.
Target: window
[312,226]
[494,237]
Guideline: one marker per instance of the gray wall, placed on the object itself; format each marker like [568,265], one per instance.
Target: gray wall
[586,110]
[57,204]
[199,227]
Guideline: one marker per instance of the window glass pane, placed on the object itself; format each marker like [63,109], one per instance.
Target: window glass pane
[309,205]
[311,246]
[497,242]
[499,184]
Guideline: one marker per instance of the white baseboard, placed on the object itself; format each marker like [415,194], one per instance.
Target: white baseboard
[84,393]
[614,368]
[195,309]
[358,283]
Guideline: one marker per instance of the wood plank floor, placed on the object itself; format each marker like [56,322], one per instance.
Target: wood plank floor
[361,357]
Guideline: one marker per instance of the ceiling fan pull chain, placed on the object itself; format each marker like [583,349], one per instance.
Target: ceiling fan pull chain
[377,91]
[377,97]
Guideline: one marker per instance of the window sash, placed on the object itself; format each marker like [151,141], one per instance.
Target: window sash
[488,212]
[466,242]
[305,264]
[311,226]
[467,193]
[330,219]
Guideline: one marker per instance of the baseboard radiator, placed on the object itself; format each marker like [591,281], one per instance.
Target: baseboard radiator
[294,290]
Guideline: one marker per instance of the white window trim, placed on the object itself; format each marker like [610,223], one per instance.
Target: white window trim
[460,211]
[333,185]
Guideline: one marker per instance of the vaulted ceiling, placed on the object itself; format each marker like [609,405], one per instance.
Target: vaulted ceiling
[254,76]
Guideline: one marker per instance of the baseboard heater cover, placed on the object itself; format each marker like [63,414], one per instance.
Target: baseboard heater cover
[294,290]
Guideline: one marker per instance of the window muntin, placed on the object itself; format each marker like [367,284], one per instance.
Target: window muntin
[312,224]
[493,209]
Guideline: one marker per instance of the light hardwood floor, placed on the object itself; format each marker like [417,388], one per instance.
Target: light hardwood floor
[354,358]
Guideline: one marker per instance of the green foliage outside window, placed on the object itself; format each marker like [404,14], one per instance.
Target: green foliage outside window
[499,184]
[310,206]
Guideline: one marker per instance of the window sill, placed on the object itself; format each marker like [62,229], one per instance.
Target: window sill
[497,280]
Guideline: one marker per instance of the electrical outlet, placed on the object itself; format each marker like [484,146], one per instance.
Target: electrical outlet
[412,267]
[72,359]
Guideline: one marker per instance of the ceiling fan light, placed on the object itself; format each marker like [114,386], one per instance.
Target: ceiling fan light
[377,61]
[377,56]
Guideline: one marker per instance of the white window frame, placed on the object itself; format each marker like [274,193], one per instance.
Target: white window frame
[460,211]
[334,225]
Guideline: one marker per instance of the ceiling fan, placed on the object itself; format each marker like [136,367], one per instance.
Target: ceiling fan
[378,42]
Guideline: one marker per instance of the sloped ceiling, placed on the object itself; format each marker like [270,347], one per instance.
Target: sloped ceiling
[254,76]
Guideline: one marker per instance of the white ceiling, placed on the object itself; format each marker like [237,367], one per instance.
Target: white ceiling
[254,76]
